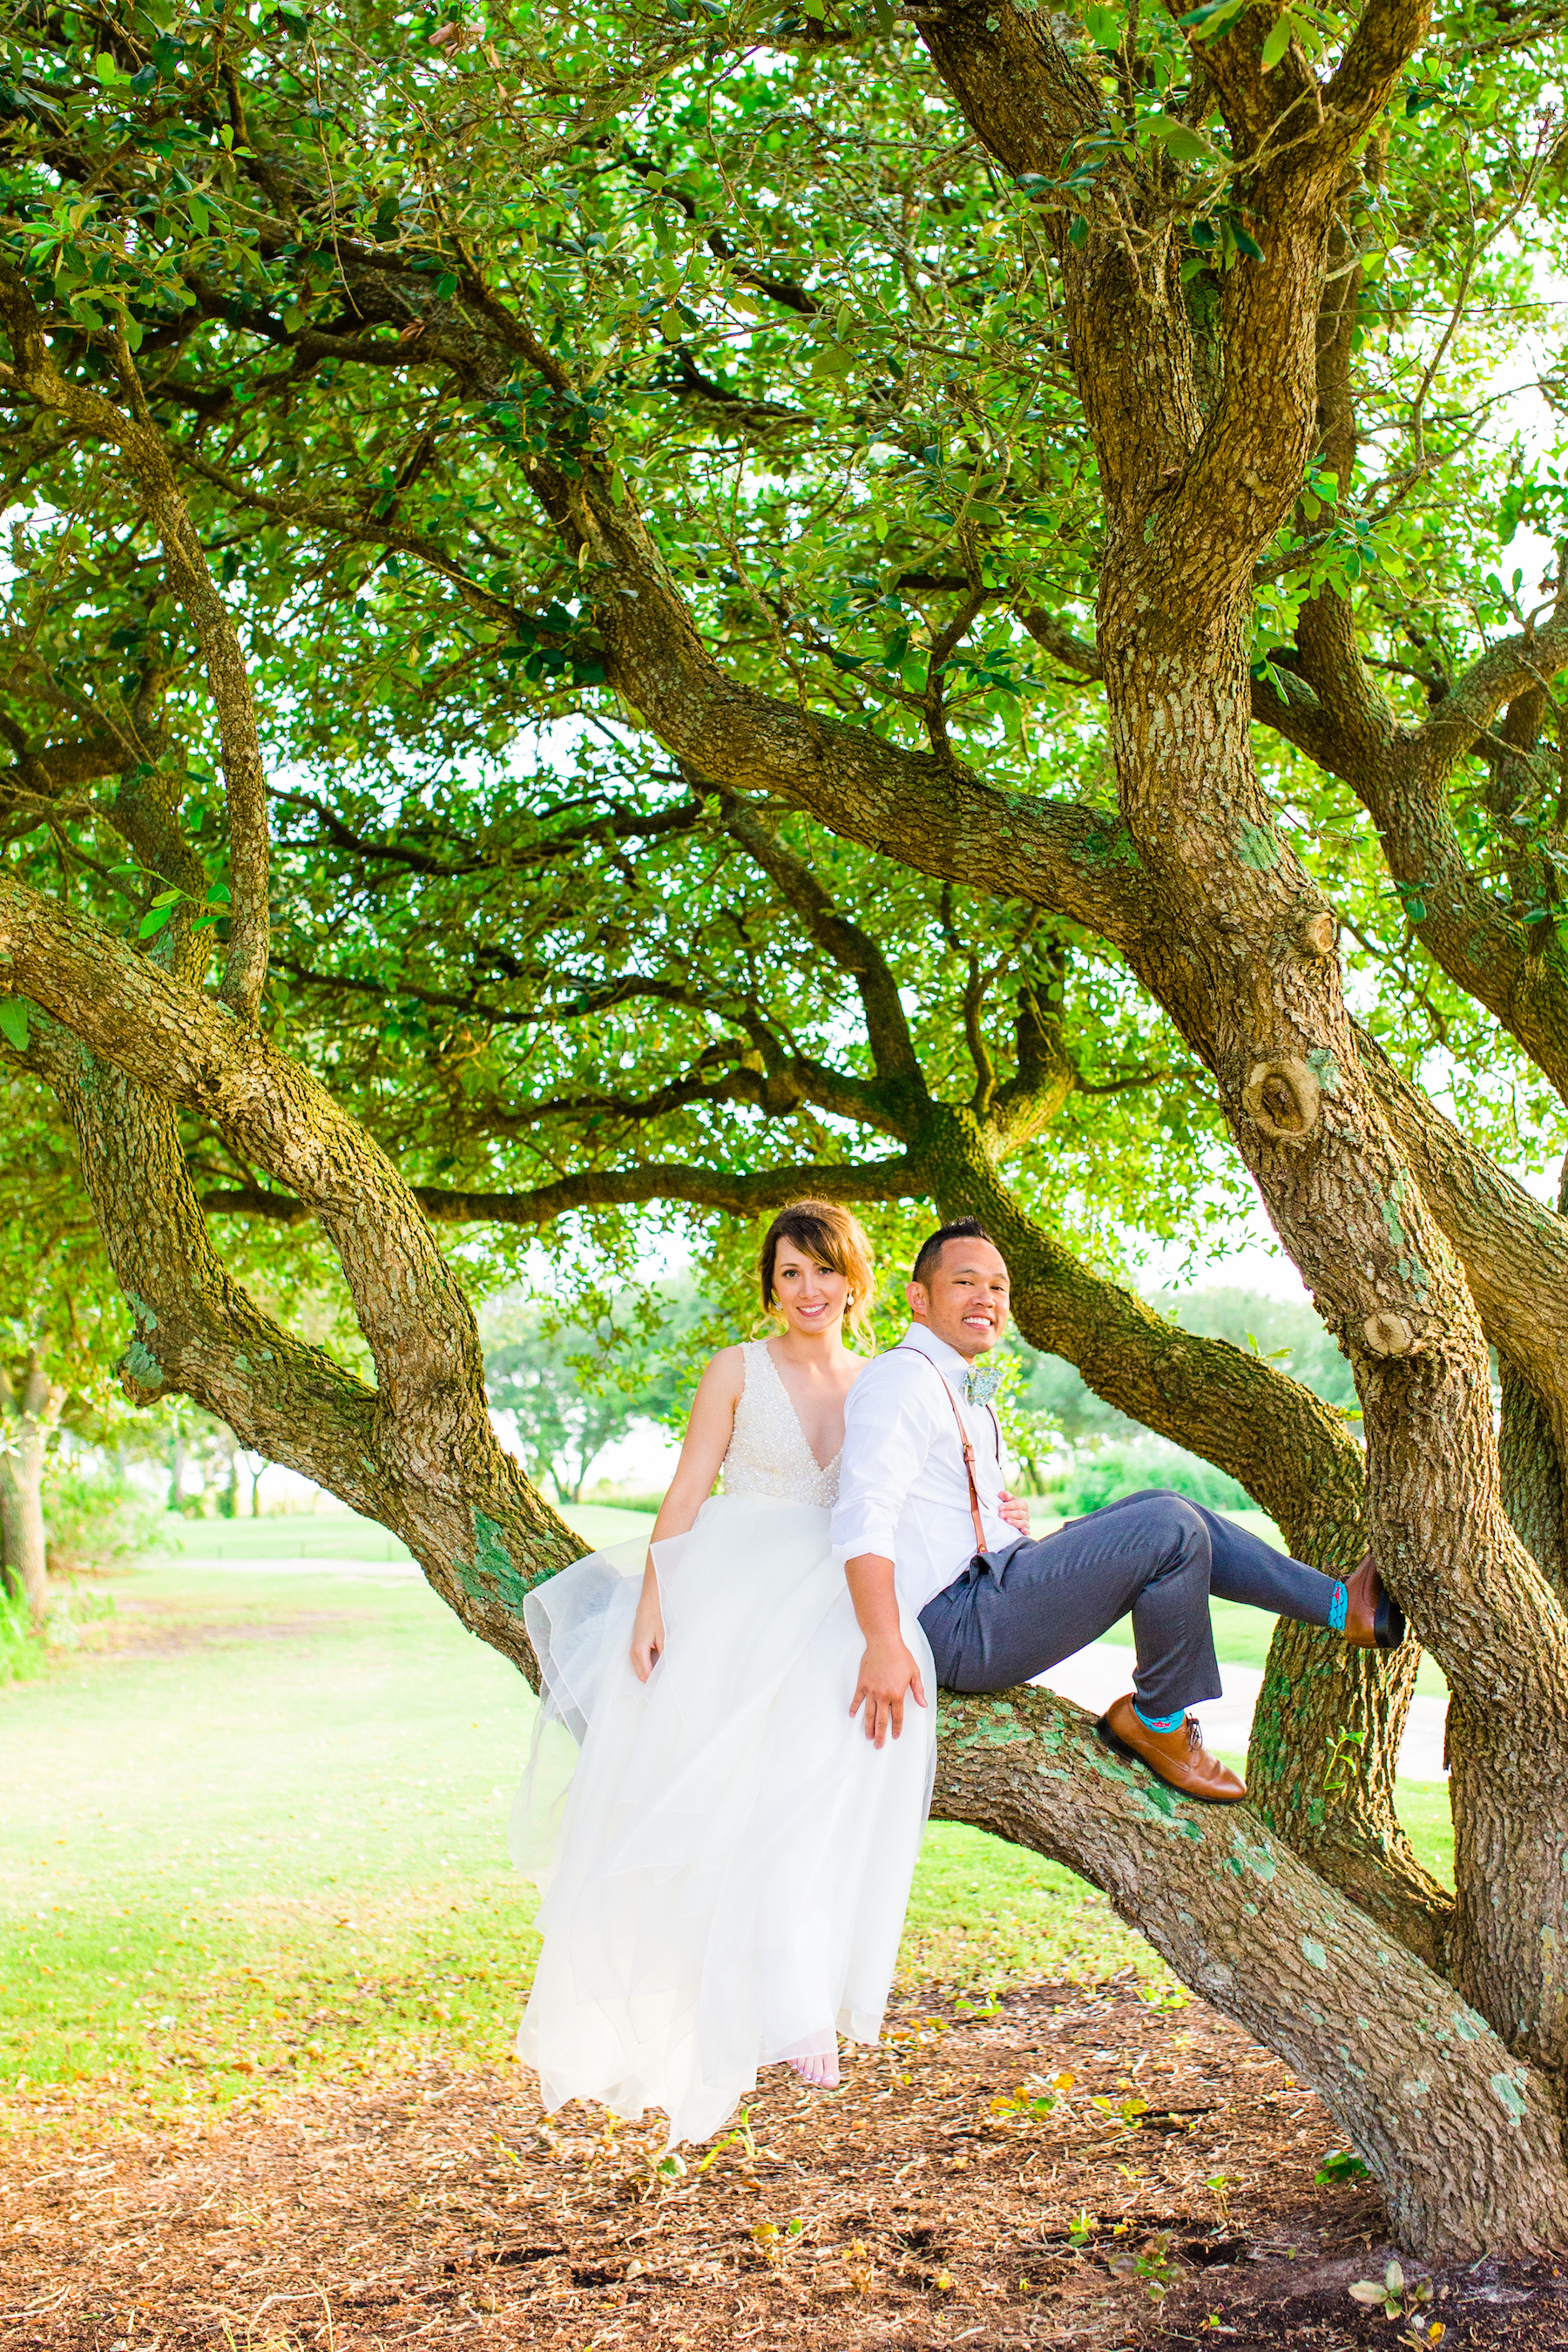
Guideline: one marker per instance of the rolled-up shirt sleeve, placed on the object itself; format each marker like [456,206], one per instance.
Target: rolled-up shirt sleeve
[888,1430]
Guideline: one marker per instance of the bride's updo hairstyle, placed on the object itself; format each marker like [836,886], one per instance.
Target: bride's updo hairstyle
[823,1231]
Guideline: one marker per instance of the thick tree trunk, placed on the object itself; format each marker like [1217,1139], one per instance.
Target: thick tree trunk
[1272,1021]
[30,1402]
[1531,1473]
[22,1512]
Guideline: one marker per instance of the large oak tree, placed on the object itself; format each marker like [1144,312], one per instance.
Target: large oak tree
[1049,455]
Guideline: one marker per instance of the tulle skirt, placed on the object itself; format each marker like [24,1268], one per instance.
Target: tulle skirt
[728,1873]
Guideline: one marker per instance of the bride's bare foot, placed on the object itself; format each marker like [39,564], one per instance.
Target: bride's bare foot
[822,2074]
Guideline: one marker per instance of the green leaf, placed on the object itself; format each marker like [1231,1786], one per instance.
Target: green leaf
[1215,18]
[1179,139]
[14,1021]
[446,286]
[1279,41]
[152,922]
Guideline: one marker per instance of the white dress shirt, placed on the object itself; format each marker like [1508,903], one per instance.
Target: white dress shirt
[902,1492]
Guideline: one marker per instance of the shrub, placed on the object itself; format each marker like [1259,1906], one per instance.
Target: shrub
[93,1515]
[1105,1473]
[22,1650]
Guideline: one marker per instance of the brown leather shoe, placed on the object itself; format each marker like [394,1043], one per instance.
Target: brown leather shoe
[1178,1757]
[1373,1619]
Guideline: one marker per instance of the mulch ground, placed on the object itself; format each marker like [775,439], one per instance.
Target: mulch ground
[1071,2168]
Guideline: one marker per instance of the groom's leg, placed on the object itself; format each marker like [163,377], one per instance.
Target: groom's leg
[1149,1554]
[1247,1569]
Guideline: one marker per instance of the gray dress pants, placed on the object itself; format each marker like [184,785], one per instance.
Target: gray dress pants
[1154,1554]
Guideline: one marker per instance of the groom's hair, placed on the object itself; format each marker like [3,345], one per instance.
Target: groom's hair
[962,1229]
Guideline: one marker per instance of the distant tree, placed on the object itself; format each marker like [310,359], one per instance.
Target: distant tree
[570,1392]
[30,1405]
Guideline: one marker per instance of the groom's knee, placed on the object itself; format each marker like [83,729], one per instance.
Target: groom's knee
[1177,1531]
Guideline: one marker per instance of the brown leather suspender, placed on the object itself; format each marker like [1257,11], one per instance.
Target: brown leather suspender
[964,1441]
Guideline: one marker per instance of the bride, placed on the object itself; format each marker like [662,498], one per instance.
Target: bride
[729,1881]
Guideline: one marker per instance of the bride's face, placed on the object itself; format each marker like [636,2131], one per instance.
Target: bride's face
[811,1296]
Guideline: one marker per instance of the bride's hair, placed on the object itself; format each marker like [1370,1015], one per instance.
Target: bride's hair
[831,1235]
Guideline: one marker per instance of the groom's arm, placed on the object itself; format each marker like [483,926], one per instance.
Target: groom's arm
[889,1668]
[887,1437]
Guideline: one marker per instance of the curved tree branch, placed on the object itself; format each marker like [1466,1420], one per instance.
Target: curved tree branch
[148,460]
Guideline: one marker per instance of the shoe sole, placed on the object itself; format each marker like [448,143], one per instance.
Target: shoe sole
[1388,1630]
[1119,1747]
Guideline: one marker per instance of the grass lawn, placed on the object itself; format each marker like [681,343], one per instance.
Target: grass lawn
[254,1830]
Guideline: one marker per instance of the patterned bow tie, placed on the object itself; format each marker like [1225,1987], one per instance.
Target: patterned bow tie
[982,1379]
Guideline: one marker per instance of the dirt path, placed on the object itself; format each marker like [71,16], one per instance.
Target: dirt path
[981,2180]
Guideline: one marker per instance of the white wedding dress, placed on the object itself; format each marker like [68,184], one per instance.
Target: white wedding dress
[729,1879]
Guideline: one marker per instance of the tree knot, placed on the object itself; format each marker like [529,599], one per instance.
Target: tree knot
[1281,1098]
[1388,1334]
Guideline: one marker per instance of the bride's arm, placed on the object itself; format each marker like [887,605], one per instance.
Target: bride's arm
[702,1451]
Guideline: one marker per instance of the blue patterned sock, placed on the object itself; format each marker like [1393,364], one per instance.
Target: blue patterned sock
[1160,1722]
[1337,1608]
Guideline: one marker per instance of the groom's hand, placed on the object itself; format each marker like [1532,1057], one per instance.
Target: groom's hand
[887,1671]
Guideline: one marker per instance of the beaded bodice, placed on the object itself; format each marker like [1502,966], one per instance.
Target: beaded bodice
[768,1453]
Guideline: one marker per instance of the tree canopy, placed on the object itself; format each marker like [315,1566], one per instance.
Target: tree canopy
[633,612]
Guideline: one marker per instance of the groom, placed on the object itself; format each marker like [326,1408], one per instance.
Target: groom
[924,1522]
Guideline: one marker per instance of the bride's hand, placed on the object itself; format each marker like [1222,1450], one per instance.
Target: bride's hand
[647,1640]
[1014,1510]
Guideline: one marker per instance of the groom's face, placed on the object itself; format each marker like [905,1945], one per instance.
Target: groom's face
[965,1301]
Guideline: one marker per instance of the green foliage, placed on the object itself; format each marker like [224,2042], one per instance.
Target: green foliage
[1284,1330]
[1106,1472]
[570,1392]
[805,329]
[96,1516]
[23,1650]
[1287,1330]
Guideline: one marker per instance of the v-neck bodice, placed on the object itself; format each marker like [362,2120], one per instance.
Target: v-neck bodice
[768,1452]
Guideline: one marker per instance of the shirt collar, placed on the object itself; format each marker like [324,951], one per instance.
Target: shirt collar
[948,1362]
